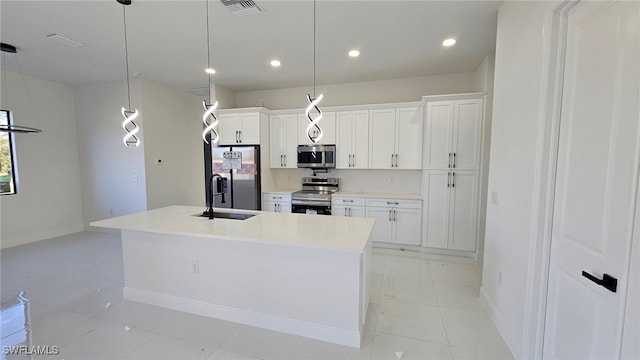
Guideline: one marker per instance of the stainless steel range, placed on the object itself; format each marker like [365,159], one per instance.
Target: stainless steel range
[315,196]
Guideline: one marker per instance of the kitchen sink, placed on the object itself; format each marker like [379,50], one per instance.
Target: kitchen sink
[227,215]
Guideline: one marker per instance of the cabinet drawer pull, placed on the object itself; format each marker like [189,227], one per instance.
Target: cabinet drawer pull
[393,203]
[277,197]
[349,201]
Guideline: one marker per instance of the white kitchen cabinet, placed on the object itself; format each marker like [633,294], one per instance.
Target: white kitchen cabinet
[283,132]
[451,214]
[453,134]
[347,206]
[395,138]
[397,221]
[327,124]
[276,202]
[240,128]
[352,139]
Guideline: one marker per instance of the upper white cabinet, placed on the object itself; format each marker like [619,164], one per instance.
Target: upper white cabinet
[327,124]
[453,134]
[395,138]
[352,139]
[240,127]
[283,132]
[451,211]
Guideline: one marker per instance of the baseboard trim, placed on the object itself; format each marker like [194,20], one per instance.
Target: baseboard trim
[491,309]
[31,238]
[247,317]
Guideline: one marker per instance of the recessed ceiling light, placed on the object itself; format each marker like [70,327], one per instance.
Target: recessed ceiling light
[449,42]
[275,63]
[354,53]
[210,71]
[64,40]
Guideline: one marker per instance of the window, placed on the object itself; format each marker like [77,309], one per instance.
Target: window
[7,159]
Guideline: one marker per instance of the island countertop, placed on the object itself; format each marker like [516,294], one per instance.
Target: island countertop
[349,234]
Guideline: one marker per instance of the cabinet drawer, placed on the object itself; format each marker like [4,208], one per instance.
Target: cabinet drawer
[394,203]
[347,201]
[277,197]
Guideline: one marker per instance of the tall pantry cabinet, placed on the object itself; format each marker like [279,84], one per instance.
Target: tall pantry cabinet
[451,163]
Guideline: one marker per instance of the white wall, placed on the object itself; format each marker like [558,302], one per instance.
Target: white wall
[517,112]
[225,97]
[484,82]
[48,202]
[371,92]
[173,134]
[108,167]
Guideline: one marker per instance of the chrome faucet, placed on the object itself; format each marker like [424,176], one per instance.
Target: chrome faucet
[211,194]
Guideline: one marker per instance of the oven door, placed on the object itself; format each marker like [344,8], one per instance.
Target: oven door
[311,209]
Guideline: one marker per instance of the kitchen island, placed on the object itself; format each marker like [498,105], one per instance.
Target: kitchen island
[299,274]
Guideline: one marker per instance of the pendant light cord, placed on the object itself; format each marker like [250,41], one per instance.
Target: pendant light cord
[314,48]
[208,51]
[126,54]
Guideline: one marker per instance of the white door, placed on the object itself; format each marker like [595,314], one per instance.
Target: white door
[277,140]
[406,223]
[249,128]
[463,210]
[344,139]
[466,134]
[229,128]
[360,159]
[382,228]
[596,183]
[438,135]
[290,145]
[382,127]
[436,208]
[409,137]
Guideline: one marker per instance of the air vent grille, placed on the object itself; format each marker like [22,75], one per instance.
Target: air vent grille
[241,7]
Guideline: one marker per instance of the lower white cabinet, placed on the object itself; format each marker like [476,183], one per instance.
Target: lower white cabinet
[276,202]
[349,207]
[397,221]
[451,211]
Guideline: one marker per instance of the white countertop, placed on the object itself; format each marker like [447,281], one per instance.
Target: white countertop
[312,231]
[381,195]
[285,191]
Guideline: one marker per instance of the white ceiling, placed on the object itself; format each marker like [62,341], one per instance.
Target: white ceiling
[167,41]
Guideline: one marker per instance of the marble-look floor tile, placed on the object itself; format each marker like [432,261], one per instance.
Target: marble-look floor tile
[393,347]
[423,322]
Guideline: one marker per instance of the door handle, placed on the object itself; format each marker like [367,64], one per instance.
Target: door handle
[354,159]
[392,160]
[236,136]
[454,160]
[448,179]
[389,215]
[396,160]
[608,282]
[449,160]
[281,160]
[240,135]
[285,159]
[453,180]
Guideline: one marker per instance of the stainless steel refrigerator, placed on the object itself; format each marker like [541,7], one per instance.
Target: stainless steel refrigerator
[243,183]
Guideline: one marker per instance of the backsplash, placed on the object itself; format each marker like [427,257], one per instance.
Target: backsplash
[405,181]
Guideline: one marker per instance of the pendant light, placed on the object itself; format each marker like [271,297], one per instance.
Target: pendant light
[314,123]
[209,119]
[128,124]
[9,127]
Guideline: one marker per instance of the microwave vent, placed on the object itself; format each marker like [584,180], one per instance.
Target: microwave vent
[241,7]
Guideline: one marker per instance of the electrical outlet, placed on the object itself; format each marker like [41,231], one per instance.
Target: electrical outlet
[195,267]
[494,198]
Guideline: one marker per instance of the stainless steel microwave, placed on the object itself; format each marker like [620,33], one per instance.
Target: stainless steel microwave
[317,156]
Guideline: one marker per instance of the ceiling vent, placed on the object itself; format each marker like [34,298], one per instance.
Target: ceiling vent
[241,7]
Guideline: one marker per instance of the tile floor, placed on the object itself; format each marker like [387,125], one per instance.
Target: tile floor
[422,307]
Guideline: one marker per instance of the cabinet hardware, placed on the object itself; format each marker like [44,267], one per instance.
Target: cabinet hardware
[345,211]
[389,215]
[277,197]
[448,179]
[236,136]
[349,211]
[394,215]
[281,160]
[608,282]
[396,160]
[393,203]
[454,160]
[285,159]
[240,137]
[453,180]
[449,160]
[391,160]
[349,201]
